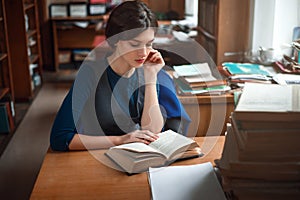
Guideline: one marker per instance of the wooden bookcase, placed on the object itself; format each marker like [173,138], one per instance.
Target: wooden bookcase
[6,83]
[24,44]
[158,6]
[224,26]
[67,36]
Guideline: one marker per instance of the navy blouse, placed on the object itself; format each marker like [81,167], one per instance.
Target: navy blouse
[73,117]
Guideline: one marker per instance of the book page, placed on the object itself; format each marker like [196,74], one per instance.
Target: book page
[193,69]
[286,79]
[170,141]
[200,78]
[137,147]
[191,182]
[265,98]
[296,98]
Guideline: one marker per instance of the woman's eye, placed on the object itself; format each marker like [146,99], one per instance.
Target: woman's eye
[134,45]
[140,45]
[149,45]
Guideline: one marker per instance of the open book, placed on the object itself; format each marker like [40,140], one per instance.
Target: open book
[169,147]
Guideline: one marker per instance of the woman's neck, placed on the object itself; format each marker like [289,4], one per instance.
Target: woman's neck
[119,66]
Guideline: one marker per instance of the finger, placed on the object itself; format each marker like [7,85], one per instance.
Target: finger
[141,137]
[153,57]
[143,141]
[156,58]
[146,137]
[150,134]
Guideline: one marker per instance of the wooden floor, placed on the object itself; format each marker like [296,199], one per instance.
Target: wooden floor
[21,160]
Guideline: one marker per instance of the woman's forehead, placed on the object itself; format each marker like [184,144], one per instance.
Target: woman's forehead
[145,36]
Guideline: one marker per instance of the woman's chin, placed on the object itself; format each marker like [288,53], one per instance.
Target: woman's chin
[138,65]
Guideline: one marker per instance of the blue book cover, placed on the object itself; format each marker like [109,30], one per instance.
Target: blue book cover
[246,68]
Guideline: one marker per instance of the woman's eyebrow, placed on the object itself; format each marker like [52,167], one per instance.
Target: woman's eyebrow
[135,40]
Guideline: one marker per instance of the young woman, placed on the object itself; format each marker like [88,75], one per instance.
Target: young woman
[126,96]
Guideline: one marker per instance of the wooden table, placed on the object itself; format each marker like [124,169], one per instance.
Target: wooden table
[79,175]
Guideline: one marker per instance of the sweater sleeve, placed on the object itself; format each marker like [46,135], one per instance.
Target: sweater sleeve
[63,129]
[176,117]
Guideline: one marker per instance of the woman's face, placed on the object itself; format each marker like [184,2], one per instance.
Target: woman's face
[135,51]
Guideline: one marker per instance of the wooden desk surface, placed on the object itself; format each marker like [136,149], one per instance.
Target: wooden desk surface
[79,175]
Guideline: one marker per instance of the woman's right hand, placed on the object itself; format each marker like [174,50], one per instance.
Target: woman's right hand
[153,64]
[143,136]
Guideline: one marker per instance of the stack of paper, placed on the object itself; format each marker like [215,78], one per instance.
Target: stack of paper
[192,182]
[287,79]
[240,73]
[198,79]
[261,155]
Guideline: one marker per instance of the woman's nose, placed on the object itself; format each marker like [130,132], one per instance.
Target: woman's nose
[142,52]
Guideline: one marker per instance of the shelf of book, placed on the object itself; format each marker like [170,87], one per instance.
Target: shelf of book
[67,37]
[24,43]
[86,18]
[6,76]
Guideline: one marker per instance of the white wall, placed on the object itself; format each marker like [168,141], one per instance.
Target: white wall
[191,10]
[286,18]
[274,21]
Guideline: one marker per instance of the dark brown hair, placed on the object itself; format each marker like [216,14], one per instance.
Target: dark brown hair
[129,15]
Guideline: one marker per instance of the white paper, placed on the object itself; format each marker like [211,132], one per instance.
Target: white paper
[191,182]
[286,79]
[163,40]
[193,70]
[81,24]
[181,36]
[266,98]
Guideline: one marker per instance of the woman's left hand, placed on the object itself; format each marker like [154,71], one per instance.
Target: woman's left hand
[153,64]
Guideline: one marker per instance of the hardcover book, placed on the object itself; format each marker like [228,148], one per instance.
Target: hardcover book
[169,147]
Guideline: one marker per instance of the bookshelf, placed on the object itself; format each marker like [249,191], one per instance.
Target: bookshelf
[68,37]
[6,83]
[6,76]
[163,8]
[222,22]
[25,49]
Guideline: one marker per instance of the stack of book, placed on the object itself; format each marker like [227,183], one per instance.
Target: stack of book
[240,73]
[198,79]
[261,155]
